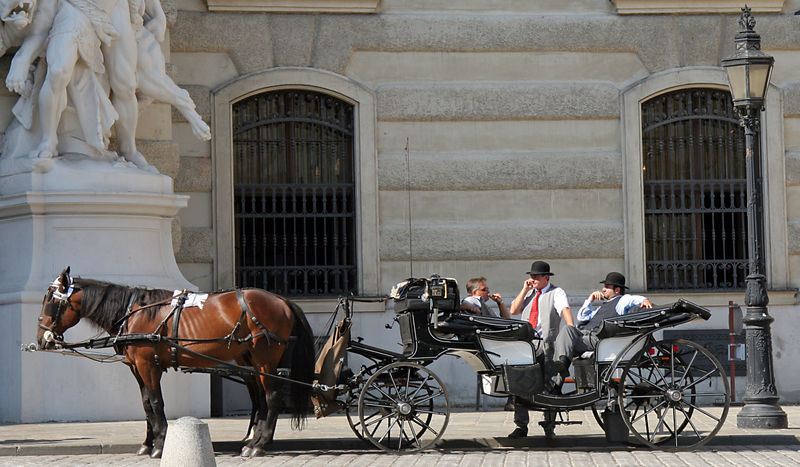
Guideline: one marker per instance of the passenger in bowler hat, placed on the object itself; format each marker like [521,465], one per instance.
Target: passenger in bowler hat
[614,301]
[543,305]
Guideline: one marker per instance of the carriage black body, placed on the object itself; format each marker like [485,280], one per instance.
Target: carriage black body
[633,382]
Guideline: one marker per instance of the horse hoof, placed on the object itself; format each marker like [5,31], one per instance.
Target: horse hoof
[144,450]
[257,452]
[156,454]
[246,451]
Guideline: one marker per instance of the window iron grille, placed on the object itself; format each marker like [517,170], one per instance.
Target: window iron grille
[695,196]
[294,194]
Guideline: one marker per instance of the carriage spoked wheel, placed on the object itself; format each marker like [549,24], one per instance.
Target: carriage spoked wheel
[403,407]
[351,403]
[667,395]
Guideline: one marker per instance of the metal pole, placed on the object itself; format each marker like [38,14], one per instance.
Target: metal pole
[761,408]
[731,355]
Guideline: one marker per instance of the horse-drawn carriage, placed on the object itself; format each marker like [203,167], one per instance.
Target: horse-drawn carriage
[659,391]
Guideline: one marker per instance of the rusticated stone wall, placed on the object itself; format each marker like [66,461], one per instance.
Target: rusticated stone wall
[512,111]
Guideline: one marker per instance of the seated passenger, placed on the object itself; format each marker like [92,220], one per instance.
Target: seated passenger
[573,341]
[544,306]
[479,294]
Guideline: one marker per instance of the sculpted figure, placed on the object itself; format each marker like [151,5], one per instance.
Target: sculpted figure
[92,49]
[151,73]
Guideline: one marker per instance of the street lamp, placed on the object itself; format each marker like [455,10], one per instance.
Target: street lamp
[749,70]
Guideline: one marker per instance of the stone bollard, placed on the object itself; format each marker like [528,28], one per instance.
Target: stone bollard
[188,444]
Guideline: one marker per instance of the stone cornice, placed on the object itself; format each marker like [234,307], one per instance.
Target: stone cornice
[633,7]
[296,6]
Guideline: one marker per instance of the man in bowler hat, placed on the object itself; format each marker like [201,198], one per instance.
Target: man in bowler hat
[573,341]
[543,305]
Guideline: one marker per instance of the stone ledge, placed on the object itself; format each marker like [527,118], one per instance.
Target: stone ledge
[296,6]
[503,240]
[650,7]
[523,170]
[493,101]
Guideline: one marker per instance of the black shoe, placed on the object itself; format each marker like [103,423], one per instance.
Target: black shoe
[562,366]
[518,433]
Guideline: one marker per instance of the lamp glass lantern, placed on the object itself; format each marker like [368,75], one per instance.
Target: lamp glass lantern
[749,69]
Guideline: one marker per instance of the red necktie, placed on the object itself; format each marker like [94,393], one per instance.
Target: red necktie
[534,317]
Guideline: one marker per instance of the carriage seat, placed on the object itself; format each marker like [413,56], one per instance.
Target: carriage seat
[500,328]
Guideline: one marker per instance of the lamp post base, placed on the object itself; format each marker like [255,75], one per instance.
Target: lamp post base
[760,415]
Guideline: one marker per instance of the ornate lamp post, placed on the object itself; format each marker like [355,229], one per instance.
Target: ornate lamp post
[749,70]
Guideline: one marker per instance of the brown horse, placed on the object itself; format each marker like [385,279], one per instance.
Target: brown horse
[251,327]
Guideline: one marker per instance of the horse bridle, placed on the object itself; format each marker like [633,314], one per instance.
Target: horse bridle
[63,303]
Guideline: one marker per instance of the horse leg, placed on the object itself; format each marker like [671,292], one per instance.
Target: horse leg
[257,415]
[266,425]
[147,446]
[257,407]
[151,376]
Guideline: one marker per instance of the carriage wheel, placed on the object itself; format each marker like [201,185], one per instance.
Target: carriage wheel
[666,395]
[403,407]
[351,403]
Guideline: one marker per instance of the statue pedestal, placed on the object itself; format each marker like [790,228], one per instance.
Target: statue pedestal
[109,222]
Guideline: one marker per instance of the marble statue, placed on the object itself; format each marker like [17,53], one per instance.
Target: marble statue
[78,69]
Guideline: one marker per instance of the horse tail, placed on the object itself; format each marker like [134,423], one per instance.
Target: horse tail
[302,366]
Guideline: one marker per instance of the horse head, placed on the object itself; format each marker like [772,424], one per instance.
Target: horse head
[60,308]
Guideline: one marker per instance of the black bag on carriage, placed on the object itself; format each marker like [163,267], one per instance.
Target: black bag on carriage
[328,367]
[436,292]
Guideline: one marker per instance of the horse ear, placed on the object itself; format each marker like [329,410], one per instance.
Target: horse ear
[63,279]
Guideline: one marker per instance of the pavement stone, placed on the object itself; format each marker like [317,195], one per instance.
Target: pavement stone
[471,439]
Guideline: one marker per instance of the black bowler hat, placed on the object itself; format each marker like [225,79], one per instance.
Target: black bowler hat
[614,278]
[540,267]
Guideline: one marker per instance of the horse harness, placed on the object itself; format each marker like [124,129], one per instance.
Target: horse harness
[63,303]
[174,339]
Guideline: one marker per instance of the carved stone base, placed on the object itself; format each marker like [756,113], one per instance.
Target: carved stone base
[108,222]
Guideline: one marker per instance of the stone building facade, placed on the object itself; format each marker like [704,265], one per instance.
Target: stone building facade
[493,132]
[511,131]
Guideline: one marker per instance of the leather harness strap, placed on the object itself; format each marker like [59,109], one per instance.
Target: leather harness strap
[246,309]
[173,351]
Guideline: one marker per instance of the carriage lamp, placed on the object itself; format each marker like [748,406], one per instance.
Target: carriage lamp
[749,71]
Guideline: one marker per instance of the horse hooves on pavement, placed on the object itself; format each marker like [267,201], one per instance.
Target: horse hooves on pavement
[156,454]
[144,450]
[257,452]
[246,451]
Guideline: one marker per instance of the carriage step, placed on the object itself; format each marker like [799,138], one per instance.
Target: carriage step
[568,422]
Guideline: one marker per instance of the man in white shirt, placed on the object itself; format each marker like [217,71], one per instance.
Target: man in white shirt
[479,295]
[544,305]
[575,340]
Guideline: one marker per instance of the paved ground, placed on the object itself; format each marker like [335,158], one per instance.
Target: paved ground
[471,439]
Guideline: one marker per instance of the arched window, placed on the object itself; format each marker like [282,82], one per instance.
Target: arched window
[695,199]
[294,193]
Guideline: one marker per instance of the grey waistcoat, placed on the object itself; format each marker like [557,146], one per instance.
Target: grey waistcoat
[549,319]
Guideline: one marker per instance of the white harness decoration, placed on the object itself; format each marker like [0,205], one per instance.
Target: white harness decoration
[57,285]
[192,299]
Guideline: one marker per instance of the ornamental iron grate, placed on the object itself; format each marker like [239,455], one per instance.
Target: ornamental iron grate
[695,193]
[294,194]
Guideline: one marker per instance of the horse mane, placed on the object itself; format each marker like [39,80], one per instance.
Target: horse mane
[105,303]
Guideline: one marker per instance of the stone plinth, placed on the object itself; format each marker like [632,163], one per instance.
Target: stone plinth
[109,222]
